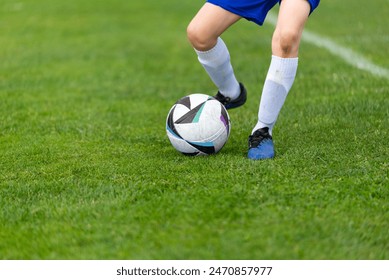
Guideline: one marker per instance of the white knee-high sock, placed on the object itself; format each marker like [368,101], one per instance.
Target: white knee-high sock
[279,80]
[217,63]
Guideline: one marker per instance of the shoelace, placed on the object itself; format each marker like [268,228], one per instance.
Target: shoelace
[222,99]
[258,136]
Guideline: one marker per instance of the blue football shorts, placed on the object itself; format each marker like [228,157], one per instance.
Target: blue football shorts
[253,10]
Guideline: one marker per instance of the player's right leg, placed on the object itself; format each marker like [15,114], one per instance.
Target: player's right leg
[204,33]
[208,24]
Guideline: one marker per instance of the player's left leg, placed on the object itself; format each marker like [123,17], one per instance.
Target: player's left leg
[280,77]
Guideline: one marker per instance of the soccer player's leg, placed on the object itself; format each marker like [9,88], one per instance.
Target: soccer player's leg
[208,24]
[290,25]
[204,33]
[280,77]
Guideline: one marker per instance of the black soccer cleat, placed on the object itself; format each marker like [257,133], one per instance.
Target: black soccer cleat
[230,104]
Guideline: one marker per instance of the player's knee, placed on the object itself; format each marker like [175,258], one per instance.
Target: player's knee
[200,39]
[286,43]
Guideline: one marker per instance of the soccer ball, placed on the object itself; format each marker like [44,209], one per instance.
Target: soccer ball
[198,124]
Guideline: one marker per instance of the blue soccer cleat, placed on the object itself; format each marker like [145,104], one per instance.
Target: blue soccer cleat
[261,145]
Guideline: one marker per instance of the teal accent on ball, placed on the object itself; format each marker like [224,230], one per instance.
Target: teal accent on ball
[198,114]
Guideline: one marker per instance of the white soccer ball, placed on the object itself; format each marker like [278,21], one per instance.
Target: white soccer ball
[198,124]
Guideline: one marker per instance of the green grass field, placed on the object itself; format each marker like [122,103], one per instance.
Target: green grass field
[87,172]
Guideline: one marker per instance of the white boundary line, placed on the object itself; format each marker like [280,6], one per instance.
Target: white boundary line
[348,55]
